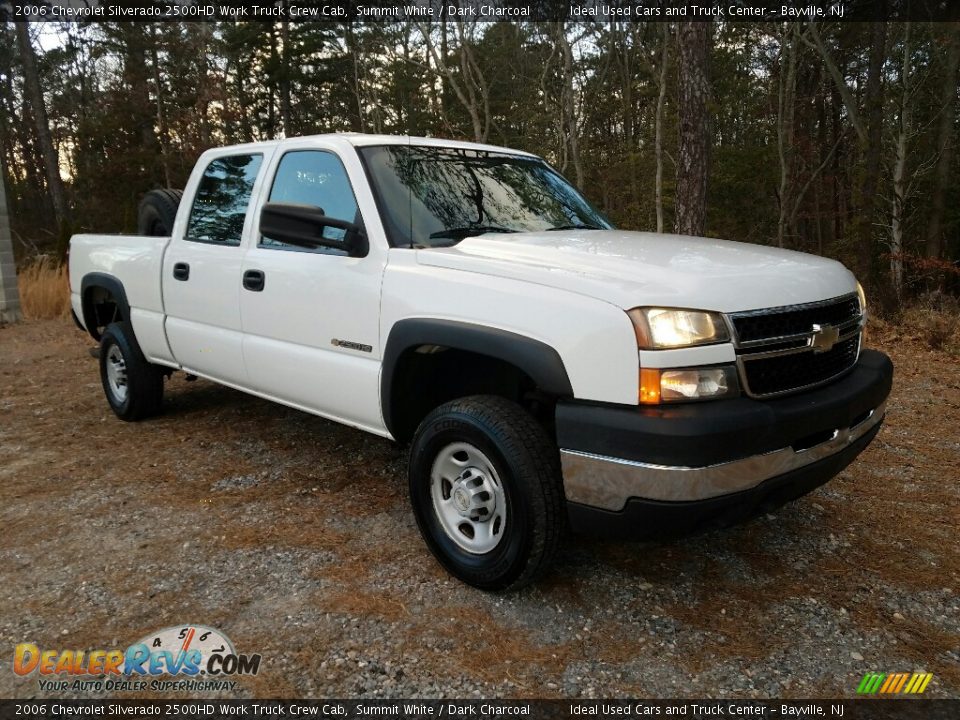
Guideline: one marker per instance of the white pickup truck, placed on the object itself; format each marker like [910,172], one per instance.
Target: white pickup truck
[548,370]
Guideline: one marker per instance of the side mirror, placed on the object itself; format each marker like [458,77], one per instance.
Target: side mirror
[303,226]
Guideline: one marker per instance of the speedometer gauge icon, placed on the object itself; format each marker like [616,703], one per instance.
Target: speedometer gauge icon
[181,639]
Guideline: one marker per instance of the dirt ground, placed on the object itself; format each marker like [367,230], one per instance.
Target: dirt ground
[293,536]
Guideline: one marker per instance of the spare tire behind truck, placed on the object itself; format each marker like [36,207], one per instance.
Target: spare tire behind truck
[158,210]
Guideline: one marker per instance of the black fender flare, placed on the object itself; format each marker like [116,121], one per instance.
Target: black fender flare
[537,359]
[109,283]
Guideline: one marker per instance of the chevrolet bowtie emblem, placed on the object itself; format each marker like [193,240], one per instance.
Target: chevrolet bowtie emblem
[824,337]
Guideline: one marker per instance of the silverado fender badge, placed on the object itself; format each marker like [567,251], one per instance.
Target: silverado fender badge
[824,337]
[351,345]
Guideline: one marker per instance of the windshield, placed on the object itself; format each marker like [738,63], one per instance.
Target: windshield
[433,196]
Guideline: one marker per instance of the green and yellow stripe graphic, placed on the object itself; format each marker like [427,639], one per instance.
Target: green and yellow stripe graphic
[894,683]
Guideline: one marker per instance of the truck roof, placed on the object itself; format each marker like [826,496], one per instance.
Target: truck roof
[365,139]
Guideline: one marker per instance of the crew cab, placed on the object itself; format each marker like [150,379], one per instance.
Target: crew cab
[547,369]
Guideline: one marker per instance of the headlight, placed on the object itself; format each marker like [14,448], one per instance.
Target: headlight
[660,328]
[663,385]
[863,301]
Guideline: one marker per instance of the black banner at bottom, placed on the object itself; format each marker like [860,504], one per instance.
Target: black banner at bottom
[860,709]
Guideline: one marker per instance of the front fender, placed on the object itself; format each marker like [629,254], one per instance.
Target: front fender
[537,359]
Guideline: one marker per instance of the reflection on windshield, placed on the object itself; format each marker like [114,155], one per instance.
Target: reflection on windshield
[437,196]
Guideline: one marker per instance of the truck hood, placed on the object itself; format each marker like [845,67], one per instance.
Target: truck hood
[630,269]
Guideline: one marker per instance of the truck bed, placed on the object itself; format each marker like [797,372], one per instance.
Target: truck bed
[136,261]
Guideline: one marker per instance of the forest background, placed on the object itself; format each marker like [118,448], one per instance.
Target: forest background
[832,138]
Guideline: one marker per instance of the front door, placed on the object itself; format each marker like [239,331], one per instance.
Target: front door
[311,317]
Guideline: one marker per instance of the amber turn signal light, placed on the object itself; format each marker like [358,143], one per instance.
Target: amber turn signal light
[649,386]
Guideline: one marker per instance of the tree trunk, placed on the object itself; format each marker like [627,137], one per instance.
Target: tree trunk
[843,90]
[272,86]
[464,90]
[824,230]
[351,41]
[873,105]
[569,105]
[941,174]
[899,173]
[624,44]
[139,107]
[839,161]
[474,83]
[658,141]
[9,295]
[246,128]
[693,162]
[163,134]
[546,90]
[51,161]
[785,108]
[285,118]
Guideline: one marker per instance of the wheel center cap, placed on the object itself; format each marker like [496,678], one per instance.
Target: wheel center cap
[461,498]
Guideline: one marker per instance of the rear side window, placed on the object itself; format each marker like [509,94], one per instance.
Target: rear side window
[316,178]
[220,206]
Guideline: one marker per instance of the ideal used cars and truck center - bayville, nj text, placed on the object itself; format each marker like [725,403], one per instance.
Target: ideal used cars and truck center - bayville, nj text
[546,369]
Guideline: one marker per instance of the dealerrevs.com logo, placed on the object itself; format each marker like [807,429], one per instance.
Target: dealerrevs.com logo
[202,657]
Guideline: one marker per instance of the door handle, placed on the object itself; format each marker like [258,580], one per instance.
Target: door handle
[181,271]
[254,280]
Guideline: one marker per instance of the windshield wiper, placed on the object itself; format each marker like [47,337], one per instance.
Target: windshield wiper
[575,226]
[458,233]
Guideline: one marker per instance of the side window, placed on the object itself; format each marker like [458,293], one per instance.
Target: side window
[223,196]
[316,178]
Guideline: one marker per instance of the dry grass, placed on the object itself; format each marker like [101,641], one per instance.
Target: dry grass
[44,289]
[931,321]
[939,329]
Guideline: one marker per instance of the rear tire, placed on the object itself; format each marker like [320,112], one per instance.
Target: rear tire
[158,211]
[133,386]
[486,492]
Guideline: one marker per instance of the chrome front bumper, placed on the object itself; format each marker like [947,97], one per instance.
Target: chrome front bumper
[608,482]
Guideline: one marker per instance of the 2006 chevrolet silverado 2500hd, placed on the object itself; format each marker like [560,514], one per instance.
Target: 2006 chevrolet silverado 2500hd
[546,368]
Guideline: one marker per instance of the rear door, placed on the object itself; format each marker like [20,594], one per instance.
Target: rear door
[202,269]
[311,319]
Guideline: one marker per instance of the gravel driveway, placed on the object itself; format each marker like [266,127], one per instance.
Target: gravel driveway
[293,536]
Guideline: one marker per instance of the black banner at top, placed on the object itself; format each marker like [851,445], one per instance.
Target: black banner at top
[478,10]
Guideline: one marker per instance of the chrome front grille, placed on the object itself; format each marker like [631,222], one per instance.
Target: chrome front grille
[788,349]
[795,320]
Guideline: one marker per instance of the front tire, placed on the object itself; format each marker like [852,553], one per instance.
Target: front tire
[486,492]
[133,386]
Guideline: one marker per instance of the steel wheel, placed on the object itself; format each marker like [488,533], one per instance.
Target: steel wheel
[468,498]
[133,386]
[116,368]
[486,491]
